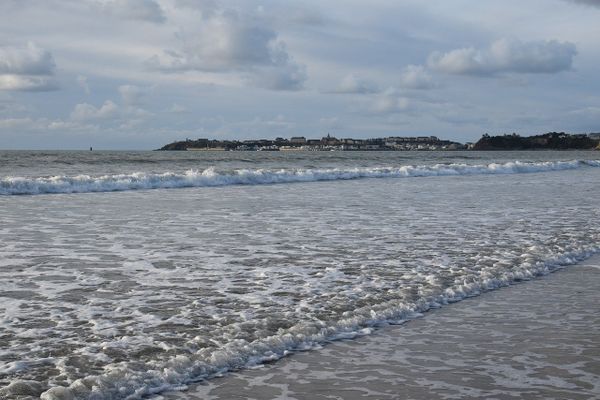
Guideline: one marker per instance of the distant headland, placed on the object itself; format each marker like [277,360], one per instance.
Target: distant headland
[547,141]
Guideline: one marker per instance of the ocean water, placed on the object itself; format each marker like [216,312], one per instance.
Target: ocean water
[126,274]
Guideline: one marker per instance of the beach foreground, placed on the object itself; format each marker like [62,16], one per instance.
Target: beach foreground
[113,287]
[536,340]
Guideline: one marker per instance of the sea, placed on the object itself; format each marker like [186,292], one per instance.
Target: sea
[124,275]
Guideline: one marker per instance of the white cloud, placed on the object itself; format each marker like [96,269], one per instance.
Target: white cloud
[352,84]
[83,83]
[141,10]
[12,123]
[587,111]
[27,83]
[43,125]
[88,112]
[224,42]
[132,95]
[125,115]
[504,56]
[389,102]
[30,60]
[289,76]
[27,68]
[229,41]
[415,77]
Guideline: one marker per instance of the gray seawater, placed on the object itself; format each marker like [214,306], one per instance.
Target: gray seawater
[124,274]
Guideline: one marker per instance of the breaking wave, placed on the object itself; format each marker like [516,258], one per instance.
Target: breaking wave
[212,177]
[121,382]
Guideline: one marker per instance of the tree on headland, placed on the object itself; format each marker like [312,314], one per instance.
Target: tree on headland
[547,141]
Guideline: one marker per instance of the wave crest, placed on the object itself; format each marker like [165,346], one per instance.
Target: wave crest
[211,177]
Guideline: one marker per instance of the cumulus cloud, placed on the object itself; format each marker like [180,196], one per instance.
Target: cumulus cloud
[27,83]
[224,42]
[141,10]
[83,83]
[415,77]
[30,60]
[13,123]
[132,95]
[88,112]
[27,68]
[126,113]
[229,41]
[28,124]
[289,76]
[352,84]
[505,56]
[389,102]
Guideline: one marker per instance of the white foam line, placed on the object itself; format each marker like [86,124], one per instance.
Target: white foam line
[119,382]
[211,177]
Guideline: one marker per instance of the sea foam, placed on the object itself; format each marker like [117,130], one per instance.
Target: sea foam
[121,382]
[212,177]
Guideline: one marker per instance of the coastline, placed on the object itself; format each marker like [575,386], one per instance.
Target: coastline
[537,340]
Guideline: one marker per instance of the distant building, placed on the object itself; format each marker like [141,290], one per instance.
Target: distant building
[329,140]
[298,140]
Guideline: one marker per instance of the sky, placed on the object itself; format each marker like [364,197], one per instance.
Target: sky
[138,74]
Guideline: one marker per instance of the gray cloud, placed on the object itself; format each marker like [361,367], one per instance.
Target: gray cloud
[27,68]
[141,10]
[109,113]
[206,7]
[224,42]
[352,84]
[504,56]
[593,3]
[415,77]
[288,76]
[30,60]
[132,95]
[229,41]
[82,81]
[389,102]
[88,112]
[177,109]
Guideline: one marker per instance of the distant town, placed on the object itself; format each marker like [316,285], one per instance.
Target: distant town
[547,141]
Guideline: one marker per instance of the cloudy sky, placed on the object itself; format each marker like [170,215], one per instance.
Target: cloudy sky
[137,74]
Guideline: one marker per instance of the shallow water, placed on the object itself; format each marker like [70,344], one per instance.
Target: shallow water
[124,294]
[537,341]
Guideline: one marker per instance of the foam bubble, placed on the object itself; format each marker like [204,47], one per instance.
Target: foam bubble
[122,383]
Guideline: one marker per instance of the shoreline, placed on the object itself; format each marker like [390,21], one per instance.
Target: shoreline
[537,339]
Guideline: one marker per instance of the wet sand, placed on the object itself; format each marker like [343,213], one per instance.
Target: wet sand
[534,340]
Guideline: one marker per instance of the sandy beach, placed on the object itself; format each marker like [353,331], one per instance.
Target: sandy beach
[535,340]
